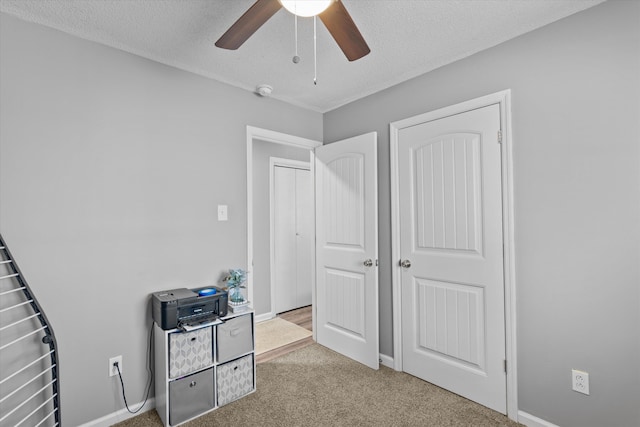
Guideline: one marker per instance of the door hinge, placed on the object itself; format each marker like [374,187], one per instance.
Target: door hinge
[500,136]
[505,366]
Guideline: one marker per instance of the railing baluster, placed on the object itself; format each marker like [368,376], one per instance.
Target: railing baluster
[34,376]
[16,306]
[24,385]
[19,321]
[12,291]
[46,418]
[23,337]
[24,402]
[34,411]
[26,367]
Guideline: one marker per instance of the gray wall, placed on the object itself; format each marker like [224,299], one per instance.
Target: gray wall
[262,152]
[111,168]
[576,121]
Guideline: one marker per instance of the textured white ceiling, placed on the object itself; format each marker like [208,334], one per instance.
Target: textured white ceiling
[407,38]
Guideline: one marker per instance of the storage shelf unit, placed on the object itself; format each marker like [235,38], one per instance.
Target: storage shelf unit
[204,368]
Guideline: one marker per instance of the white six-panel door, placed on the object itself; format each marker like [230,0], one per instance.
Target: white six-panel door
[451,245]
[347,248]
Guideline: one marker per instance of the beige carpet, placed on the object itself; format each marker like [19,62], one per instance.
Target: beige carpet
[315,386]
[276,333]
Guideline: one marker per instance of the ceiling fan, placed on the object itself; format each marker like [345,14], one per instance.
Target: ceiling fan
[333,15]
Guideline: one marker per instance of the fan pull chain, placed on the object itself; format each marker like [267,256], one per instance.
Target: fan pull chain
[315,53]
[296,58]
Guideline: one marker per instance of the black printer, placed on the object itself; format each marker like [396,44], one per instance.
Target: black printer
[177,308]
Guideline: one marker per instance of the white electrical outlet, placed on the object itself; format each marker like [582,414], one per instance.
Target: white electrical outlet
[580,381]
[112,365]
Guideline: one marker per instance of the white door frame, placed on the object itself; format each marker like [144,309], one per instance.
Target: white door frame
[257,135]
[503,99]
[273,163]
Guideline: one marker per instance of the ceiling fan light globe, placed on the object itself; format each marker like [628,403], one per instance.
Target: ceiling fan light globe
[306,8]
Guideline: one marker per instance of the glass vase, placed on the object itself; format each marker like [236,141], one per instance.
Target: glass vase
[235,295]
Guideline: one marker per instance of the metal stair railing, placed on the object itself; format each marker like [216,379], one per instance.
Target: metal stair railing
[29,377]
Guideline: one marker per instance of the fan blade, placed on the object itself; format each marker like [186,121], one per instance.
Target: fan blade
[248,24]
[344,31]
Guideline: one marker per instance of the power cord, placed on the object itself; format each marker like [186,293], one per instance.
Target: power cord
[146,397]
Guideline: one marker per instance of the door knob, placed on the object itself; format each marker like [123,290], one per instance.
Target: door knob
[406,263]
[368,263]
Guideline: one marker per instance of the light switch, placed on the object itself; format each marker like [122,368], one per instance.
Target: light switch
[222,213]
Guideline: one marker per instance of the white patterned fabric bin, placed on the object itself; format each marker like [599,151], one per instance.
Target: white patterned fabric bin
[189,352]
[234,379]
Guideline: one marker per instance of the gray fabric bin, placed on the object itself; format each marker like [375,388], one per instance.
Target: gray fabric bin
[234,338]
[191,396]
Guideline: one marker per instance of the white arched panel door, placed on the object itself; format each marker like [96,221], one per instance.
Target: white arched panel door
[450,211]
[347,248]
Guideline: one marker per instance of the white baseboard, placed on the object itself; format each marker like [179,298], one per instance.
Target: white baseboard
[121,415]
[532,421]
[386,361]
[264,316]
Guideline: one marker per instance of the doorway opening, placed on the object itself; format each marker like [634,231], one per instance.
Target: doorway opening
[262,146]
[266,335]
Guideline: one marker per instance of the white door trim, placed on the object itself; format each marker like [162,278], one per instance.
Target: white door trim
[503,99]
[256,135]
[287,163]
